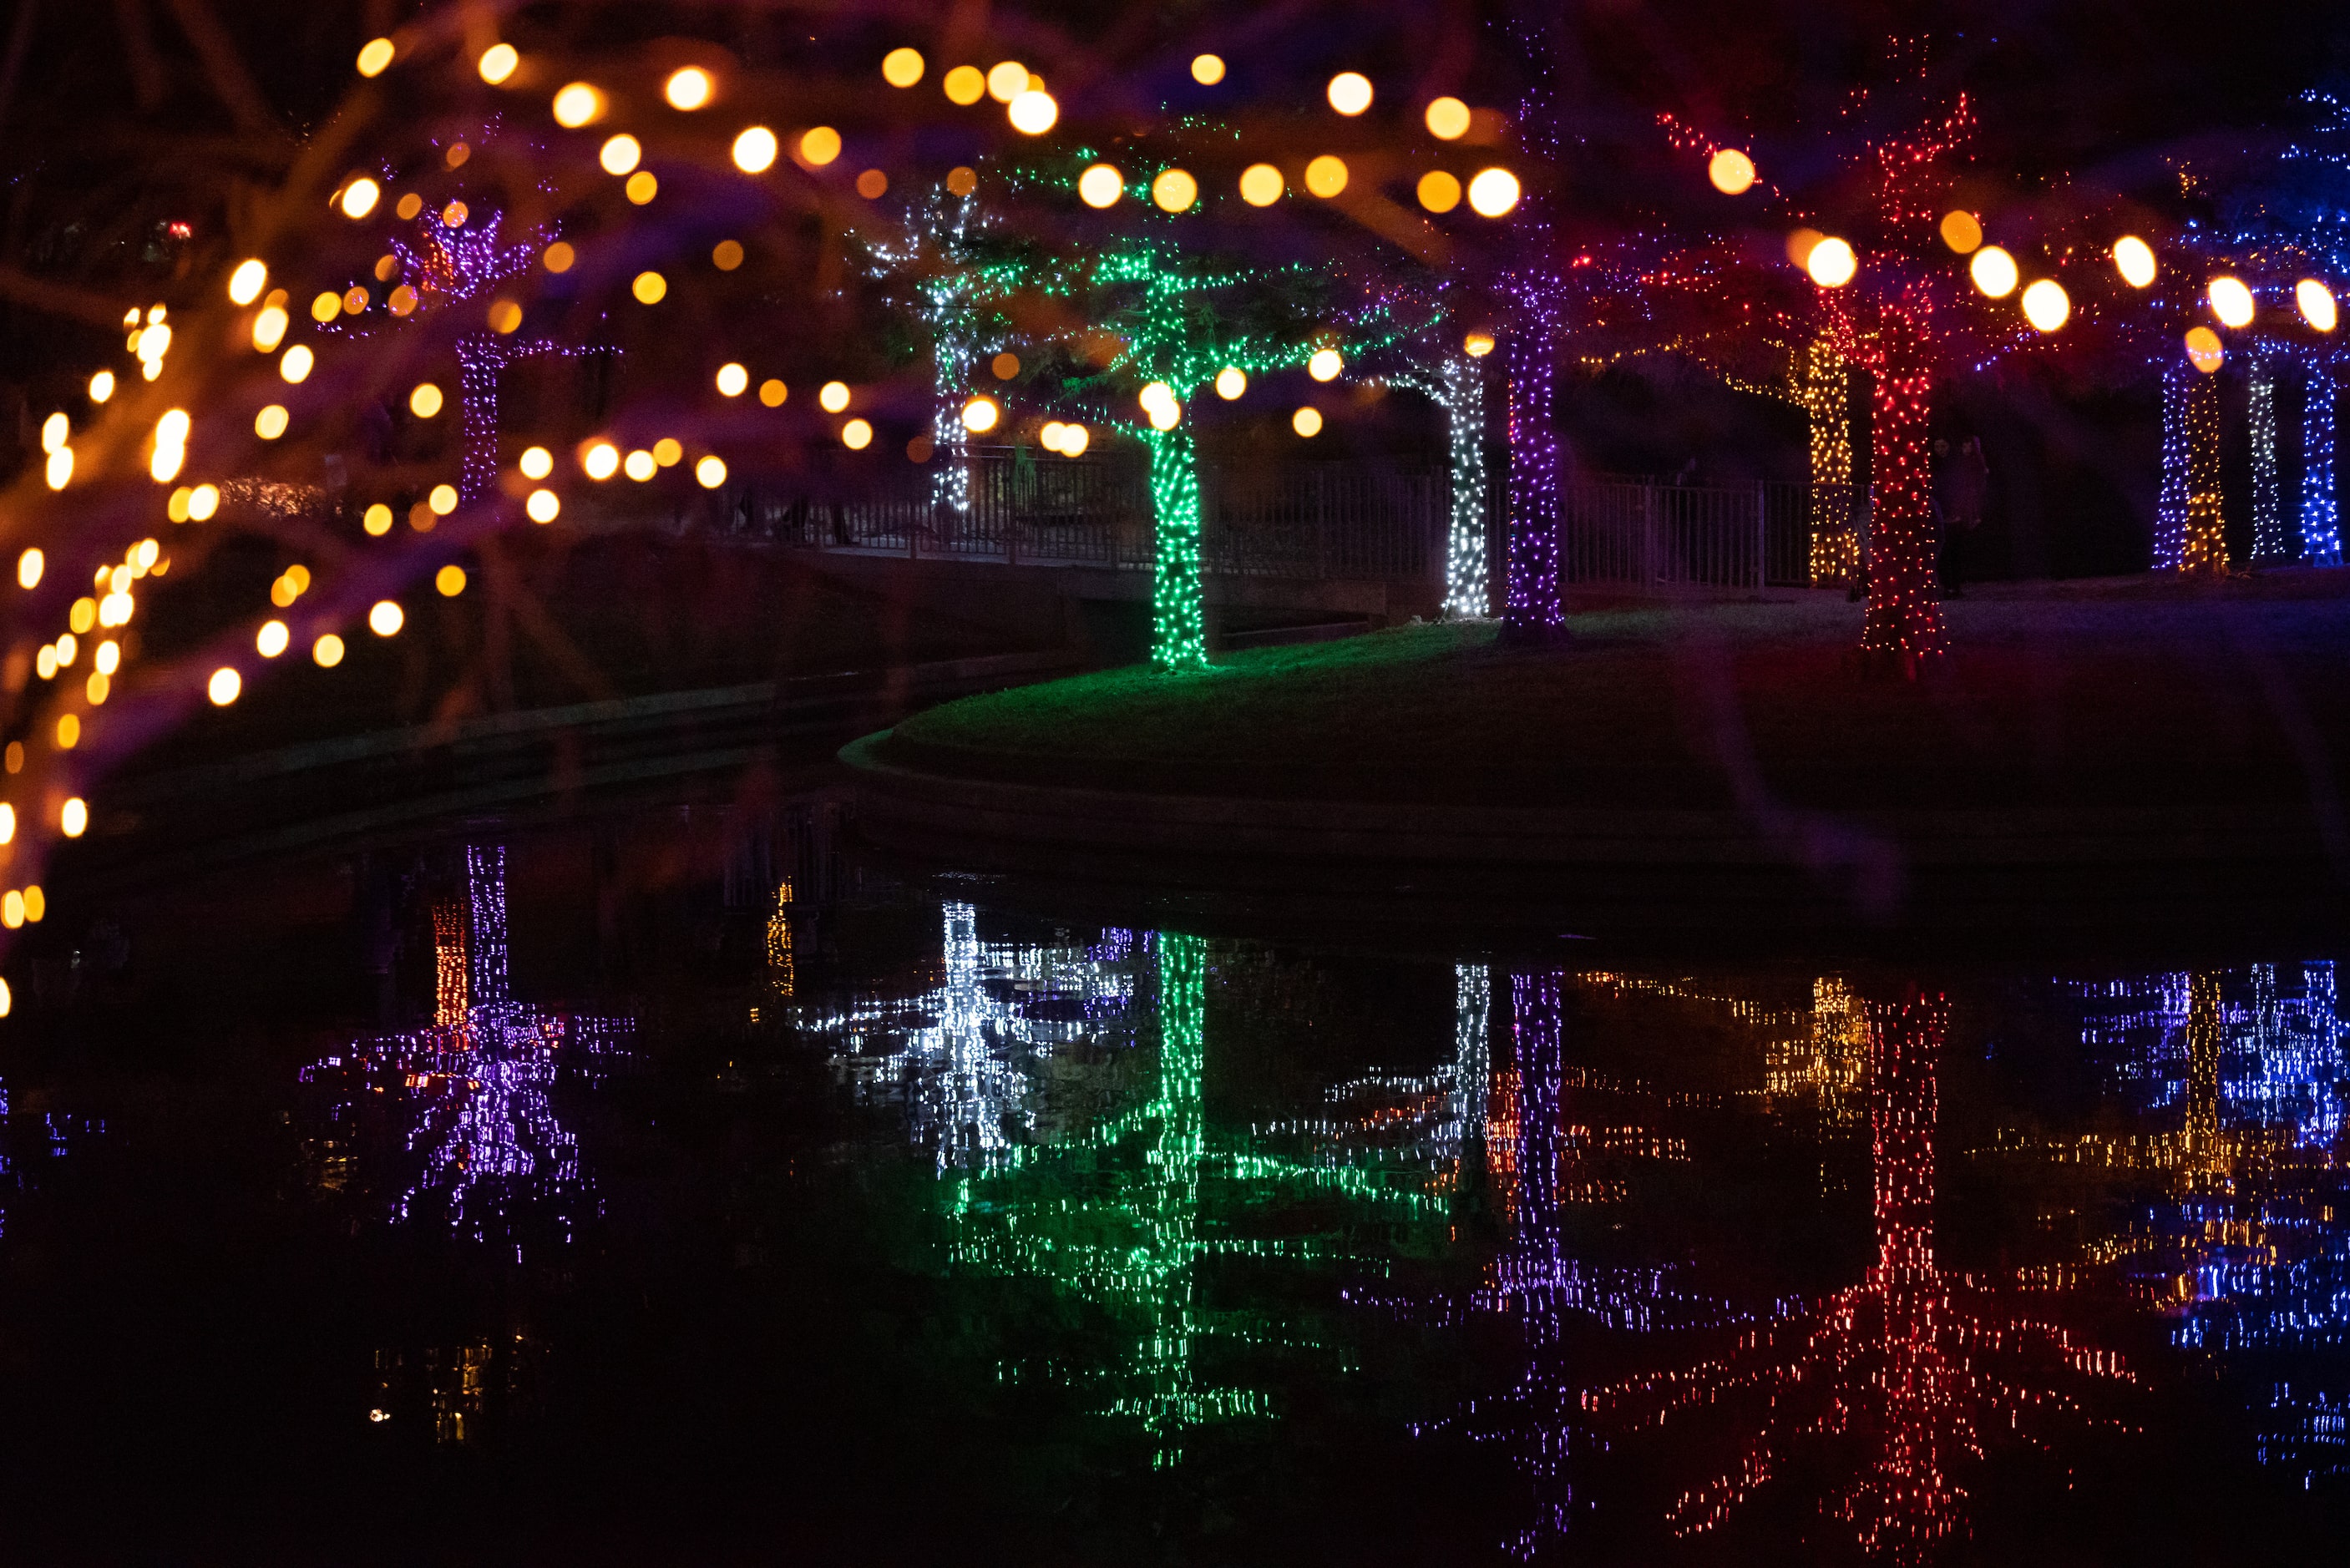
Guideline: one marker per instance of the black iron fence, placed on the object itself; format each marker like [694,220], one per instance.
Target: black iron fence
[1313,520]
[1644,534]
[1309,520]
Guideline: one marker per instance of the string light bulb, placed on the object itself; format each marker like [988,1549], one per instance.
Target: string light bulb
[819,146]
[2204,350]
[1033,112]
[1174,190]
[2316,304]
[2231,302]
[2134,258]
[2045,304]
[1730,172]
[1007,79]
[688,88]
[578,104]
[754,150]
[1101,186]
[1994,272]
[1493,192]
[1350,93]
[1831,264]
[964,85]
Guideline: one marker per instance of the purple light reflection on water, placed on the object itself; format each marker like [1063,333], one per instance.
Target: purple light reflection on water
[485,1147]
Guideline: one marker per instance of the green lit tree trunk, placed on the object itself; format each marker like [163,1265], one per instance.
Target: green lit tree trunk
[1175,1401]
[1178,633]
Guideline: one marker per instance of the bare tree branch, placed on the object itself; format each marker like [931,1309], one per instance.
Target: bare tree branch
[19,41]
[58,298]
[148,82]
[230,83]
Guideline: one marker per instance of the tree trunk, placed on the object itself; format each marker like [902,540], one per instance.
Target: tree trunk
[1903,628]
[2272,543]
[2321,528]
[1178,637]
[1825,388]
[2170,501]
[1467,590]
[480,359]
[2205,547]
[1533,608]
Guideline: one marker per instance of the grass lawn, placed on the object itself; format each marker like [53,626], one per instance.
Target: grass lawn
[2122,691]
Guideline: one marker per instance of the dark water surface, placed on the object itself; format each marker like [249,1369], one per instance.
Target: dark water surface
[684,1188]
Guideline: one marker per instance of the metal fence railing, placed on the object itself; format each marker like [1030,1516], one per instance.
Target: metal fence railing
[1642,534]
[1307,520]
[1323,520]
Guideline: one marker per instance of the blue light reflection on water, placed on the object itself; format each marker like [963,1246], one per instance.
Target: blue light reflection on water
[2252,1236]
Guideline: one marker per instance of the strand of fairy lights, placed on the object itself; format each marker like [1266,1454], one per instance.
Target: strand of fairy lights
[2270,544]
[2203,545]
[1824,390]
[2320,529]
[1533,603]
[1467,578]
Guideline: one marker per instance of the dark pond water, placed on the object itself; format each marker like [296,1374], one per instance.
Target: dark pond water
[680,1188]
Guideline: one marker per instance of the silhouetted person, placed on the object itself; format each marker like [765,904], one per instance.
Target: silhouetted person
[1962,480]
